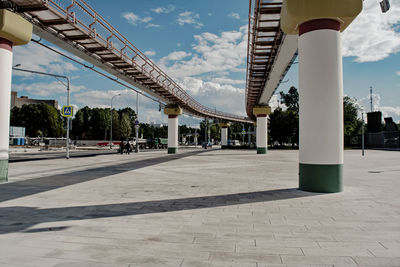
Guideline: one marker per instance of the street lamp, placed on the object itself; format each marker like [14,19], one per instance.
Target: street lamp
[68,94]
[137,124]
[111,117]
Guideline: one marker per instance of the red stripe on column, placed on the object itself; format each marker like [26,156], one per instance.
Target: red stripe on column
[261,115]
[172,116]
[6,44]
[319,24]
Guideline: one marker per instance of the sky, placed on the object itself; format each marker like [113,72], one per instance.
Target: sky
[202,45]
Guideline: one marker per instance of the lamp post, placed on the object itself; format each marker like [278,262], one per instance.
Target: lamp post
[111,117]
[68,95]
[137,124]
[362,133]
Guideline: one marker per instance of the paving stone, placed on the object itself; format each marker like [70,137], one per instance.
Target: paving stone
[198,208]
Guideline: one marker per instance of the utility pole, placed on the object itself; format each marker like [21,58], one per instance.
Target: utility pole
[370,95]
[67,144]
[137,123]
[111,119]
[362,133]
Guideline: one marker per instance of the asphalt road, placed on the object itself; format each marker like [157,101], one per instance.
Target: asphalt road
[45,155]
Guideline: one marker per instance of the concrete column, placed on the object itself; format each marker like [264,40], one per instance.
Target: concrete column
[5,99]
[173,111]
[262,128]
[318,24]
[172,134]
[321,106]
[224,133]
[14,30]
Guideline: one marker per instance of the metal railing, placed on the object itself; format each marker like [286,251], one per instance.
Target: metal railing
[85,19]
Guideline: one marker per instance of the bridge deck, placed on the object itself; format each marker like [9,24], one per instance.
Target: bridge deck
[79,29]
[270,52]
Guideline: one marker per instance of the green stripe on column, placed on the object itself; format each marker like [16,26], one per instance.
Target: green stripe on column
[261,150]
[3,170]
[172,150]
[321,178]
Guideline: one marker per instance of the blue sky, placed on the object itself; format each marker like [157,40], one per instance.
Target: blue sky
[202,45]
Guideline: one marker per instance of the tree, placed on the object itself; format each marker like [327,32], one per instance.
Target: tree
[40,119]
[81,124]
[99,123]
[131,114]
[352,125]
[291,99]
[125,126]
[284,126]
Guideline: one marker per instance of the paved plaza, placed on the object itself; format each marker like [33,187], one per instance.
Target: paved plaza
[198,208]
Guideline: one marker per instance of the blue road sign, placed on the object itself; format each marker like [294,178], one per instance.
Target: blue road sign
[67,111]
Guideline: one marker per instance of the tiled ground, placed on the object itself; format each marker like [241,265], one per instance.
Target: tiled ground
[198,208]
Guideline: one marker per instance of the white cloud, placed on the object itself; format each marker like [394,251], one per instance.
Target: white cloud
[373,36]
[189,17]
[213,53]
[176,55]
[38,58]
[146,19]
[234,15]
[387,111]
[46,89]
[134,19]
[152,25]
[131,17]
[164,10]
[224,80]
[398,73]
[150,53]
[225,98]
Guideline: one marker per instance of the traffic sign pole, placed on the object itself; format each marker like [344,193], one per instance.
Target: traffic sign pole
[67,141]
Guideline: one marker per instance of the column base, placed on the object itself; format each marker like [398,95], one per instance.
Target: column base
[321,178]
[261,150]
[3,170]
[172,150]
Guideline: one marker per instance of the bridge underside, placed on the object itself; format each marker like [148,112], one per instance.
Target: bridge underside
[77,28]
[270,53]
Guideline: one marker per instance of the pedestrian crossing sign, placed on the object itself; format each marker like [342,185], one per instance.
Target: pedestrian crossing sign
[67,111]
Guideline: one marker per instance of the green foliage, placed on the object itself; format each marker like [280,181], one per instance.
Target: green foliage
[94,123]
[38,120]
[125,126]
[291,99]
[352,125]
[284,126]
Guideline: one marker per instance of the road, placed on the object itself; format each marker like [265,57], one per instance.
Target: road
[43,155]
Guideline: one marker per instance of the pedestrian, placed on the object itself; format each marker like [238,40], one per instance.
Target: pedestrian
[128,147]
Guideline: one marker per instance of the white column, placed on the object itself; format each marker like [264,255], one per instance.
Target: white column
[321,107]
[5,99]
[172,134]
[224,136]
[262,134]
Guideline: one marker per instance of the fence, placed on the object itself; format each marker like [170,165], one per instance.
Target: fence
[381,140]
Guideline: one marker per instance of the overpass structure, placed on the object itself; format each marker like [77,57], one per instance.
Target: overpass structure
[278,30]
[270,53]
[78,28]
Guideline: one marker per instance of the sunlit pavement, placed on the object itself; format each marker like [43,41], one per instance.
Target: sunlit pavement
[198,208]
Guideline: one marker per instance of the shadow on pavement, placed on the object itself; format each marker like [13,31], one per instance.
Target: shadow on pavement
[28,187]
[17,219]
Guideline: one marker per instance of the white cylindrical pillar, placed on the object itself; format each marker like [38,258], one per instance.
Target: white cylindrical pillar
[321,106]
[224,136]
[5,99]
[262,134]
[172,134]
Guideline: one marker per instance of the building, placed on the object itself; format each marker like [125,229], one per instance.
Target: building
[24,100]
